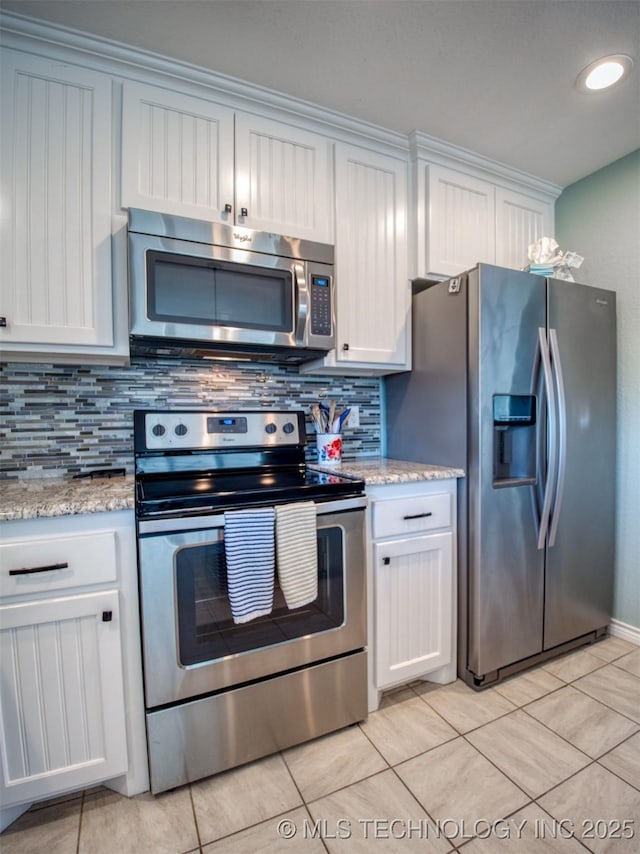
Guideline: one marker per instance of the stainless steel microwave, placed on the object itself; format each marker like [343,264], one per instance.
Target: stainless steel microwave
[204,289]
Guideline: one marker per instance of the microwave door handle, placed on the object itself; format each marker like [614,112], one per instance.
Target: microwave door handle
[300,302]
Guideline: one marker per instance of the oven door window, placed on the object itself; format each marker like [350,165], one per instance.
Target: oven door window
[206,631]
[208,292]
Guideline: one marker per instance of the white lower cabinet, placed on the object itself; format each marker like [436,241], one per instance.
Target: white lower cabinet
[62,701]
[413,593]
[412,584]
[71,709]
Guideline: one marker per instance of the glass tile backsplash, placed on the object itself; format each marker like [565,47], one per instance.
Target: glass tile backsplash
[69,419]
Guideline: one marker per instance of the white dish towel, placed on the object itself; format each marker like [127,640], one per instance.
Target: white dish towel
[249,547]
[297,551]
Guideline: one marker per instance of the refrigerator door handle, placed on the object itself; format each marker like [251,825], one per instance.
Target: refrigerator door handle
[549,488]
[562,435]
[538,487]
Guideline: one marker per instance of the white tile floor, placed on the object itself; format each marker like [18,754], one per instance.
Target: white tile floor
[533,765]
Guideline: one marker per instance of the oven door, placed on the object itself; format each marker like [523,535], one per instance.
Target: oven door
[192,646]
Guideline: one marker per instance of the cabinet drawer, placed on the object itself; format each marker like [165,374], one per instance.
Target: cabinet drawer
[56,563]
[411,515]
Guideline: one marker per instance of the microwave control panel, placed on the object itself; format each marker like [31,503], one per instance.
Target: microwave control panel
[321,305]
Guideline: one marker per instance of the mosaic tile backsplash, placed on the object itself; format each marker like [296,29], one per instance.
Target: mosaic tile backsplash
[69,419]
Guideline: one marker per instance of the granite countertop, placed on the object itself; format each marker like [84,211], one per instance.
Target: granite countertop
[379,471]
[64,496]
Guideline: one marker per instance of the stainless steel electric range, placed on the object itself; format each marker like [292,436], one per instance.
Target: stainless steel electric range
[219,692]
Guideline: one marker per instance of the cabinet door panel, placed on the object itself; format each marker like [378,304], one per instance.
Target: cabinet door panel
[461,229]
[413,596]
[177,153]
[283,179]
[56,176]
[62,699]
[371,258]
[520,220]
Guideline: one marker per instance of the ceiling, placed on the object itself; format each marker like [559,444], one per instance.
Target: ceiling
[493,76]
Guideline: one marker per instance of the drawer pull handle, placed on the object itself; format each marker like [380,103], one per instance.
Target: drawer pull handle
[419,516]
[386,561]
[32,569]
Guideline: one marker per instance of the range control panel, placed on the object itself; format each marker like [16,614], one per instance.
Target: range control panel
[191,430]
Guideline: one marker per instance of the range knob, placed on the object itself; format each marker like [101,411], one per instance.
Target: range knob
[270,428]
[158,430]
[288,427]
[180,430]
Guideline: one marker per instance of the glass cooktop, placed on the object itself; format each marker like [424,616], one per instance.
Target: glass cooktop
[218,490]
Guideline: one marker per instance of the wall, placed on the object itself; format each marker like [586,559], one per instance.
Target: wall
[599,217]
[66,419]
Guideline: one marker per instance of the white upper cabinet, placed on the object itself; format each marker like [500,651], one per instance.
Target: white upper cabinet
[467,210]
[56,134]
[177,153]
[283,179]
[520,220]
[372,286]
[461,220]
[191,157]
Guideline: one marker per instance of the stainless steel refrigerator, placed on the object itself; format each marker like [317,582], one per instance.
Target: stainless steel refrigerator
[514,379]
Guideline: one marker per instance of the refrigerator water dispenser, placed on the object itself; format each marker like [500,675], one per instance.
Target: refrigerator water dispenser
[514,440]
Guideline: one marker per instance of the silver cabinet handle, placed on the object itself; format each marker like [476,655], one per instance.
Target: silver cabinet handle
[32,569]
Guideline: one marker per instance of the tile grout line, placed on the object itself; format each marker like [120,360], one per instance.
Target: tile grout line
[462,735]
[80,821]
[546,812]
[195,818]
[606,705]
[575,747]
[479,726]
[592,761]
[298,790]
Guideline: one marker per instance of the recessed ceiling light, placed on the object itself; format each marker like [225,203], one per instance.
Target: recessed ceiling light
[604,72]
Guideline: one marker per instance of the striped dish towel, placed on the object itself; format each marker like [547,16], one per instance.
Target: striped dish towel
[297,550]
[249,552]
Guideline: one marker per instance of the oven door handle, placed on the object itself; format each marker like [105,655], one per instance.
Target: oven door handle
[198,523]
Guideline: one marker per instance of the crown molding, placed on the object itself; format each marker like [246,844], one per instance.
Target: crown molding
[425,147]
[142,65]
[121,60]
